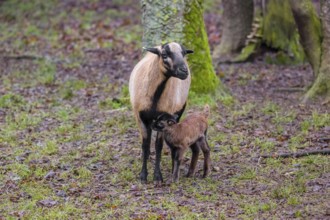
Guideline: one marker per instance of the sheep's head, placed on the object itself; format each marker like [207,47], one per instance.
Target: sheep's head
[164,120]
[172,56]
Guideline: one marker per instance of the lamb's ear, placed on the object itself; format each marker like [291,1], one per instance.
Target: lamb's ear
[153,50]
[176,117]
[189,51]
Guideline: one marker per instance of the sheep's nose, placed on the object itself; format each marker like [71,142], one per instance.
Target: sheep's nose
[183,69]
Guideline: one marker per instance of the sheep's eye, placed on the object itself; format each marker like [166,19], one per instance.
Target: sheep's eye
[164,56]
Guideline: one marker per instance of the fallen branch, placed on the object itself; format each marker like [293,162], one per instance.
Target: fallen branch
[23,57]
[296,155]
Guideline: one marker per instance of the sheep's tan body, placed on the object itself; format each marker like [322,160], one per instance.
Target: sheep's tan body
[191,132]
[158,84]
[145,78]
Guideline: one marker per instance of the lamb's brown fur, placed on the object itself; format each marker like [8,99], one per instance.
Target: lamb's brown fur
[154,89]
[191,132]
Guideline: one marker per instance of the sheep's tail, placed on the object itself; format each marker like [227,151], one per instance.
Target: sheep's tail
[206,111]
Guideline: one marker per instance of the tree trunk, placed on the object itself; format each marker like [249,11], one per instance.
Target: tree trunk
[183,22]
[309,27]
[272,25]
[237,19]
[321,85]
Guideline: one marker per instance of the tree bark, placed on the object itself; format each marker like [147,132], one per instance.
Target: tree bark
[321,85]
[181,21]
[309,27]
[237,19]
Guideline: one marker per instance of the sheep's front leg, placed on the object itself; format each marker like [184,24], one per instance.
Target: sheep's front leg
[158,179]
[195,153]
[146,139]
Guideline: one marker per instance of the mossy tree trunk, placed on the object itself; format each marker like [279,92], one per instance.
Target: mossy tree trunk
[321,85]
[309,27]
[272,25]
[237,19]
[181,21]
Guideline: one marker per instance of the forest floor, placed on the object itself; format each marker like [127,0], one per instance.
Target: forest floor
[70,147]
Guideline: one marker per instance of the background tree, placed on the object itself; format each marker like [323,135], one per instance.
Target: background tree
[181,21]
[255,23]
[291,27]
[237,20]
[315,39]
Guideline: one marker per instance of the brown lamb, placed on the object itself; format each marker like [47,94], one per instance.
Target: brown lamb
[191,132]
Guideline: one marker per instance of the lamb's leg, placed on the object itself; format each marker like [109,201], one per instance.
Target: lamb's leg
[158,179]
[173,158]
[177,162]
[195,153]
[206,151]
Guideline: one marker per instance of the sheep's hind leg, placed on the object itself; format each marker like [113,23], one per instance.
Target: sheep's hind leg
[195,153]
[158,178]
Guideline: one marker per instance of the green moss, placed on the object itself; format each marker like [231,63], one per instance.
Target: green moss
[279,30]
[203,76]
[168,25]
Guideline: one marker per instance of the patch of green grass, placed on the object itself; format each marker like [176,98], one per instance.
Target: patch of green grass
[270,108]
[50,148]
[265,145]
[284,117]
[70,86]
[22,170]
[23,120]
[305,125]
[45,73]
[266,207]
[243,110]
[247,174]
[11,100]
[83,173]
[35,9]
[293,200]
[289,189]
[297,142]
[320,120]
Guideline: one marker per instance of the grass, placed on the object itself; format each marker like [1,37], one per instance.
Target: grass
[70,137]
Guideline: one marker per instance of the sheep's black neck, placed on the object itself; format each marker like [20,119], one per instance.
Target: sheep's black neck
[158,93]
[148,115]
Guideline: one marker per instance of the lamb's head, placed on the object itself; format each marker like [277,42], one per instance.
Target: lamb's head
[164,120]
[172,59]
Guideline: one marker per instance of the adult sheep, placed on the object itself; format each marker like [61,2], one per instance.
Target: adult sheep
[158,84]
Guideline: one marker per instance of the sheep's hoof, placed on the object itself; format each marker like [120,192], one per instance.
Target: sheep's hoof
[205,175]
[158,183]
[143,177]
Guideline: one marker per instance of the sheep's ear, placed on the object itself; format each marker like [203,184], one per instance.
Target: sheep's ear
[153,50]
[189,51]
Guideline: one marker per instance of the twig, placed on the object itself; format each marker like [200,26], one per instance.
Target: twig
[23,57]
[296,155]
